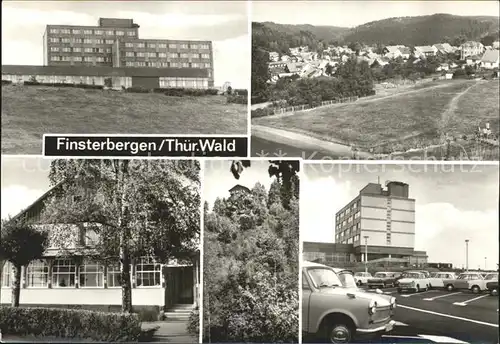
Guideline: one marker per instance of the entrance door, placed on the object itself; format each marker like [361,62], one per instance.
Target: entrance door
[185,282]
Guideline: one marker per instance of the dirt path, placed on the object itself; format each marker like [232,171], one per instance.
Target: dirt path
[305,141]
[449,112]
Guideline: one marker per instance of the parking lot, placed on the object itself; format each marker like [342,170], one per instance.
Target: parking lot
[441,316]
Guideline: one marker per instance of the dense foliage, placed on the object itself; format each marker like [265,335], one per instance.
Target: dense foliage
[251,263]
[70,323]
[424,30]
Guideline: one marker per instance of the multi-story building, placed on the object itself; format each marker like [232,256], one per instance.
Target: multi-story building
[471,48]
[115,43]
[385,215]
[70,277]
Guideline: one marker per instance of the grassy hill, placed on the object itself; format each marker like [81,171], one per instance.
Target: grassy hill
[423,30]
[30,111]
[419,30]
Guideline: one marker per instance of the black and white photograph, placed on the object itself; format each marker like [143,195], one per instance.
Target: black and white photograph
[251,251]
[133,67]
[399,253]
[100,250]
[375,80]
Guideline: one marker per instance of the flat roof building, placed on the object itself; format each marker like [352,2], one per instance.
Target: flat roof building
[115,42]
[385,215]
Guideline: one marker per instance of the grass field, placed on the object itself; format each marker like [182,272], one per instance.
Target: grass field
[30,111]
[403,121]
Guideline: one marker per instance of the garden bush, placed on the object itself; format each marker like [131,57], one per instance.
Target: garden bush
[263,112]
[237,99]
[193,326]
[137,90]
[240,92]
[6,82]
[60,84]
[70,323]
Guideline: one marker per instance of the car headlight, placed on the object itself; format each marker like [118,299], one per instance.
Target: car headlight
[393,302]
[372,307]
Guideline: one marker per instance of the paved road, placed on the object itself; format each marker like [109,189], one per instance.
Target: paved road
[440,316]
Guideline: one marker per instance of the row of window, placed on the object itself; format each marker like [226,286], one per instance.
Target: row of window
[165,45]
[347,221]
[92,32]
[349,210]
[166,64]
[65,273]
[171,55]
[80,40]
[80,58]
[328,257]
[79,50]
[348,232]
[166,82]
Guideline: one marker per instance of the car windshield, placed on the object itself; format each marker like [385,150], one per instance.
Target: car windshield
[412,275]
[493,277]
[324,277]
[347,279]
[463,277]
[380,274]
[435,275]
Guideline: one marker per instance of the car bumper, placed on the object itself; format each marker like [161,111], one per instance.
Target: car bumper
[408,289]
[379,329]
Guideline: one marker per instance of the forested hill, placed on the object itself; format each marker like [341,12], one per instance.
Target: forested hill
[424,30]
[421,30]
[280,37]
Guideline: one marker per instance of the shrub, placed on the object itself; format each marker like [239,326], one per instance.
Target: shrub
[236,99]
[147,314]
[70,323]
[193,326]
[6,82]
[267,111]
[31,83]
[240,92]
[137,90]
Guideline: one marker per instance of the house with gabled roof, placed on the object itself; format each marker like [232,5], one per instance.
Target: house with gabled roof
[490,59]
[425,51]
[73,277]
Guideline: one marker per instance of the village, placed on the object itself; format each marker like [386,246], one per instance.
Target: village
[303,63]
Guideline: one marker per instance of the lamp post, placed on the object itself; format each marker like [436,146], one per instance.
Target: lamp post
[467,255]
[366,253]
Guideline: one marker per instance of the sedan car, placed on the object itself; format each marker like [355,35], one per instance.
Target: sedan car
[472,281]
[415,281]
[437,278]
[362,277]
[336,310]
[383,280]
[492,288]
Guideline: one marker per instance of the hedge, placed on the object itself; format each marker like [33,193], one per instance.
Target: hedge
[59,84]
[70,323]
[6,82]
[237,99]
[175,91]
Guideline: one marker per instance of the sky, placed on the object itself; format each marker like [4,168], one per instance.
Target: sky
[218,178]
[453,203]
[24,180]
[223,23]
[354,13]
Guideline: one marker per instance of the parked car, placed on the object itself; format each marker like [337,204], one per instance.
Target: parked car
[437,278]
[383,280]
[492,288]
[336,310]
[472,281]
[404,273]
[362,277]
[413,281]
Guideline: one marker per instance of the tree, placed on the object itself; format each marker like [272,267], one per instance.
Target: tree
[260,74]
[20,244]
[137,208]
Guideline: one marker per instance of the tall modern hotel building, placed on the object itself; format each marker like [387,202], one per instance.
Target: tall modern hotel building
[114,44]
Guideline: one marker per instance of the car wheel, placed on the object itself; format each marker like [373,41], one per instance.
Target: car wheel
[430,286]
[449,287]
[418,288]
[475,289]
[494,292]
[359,283]
[339,333]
